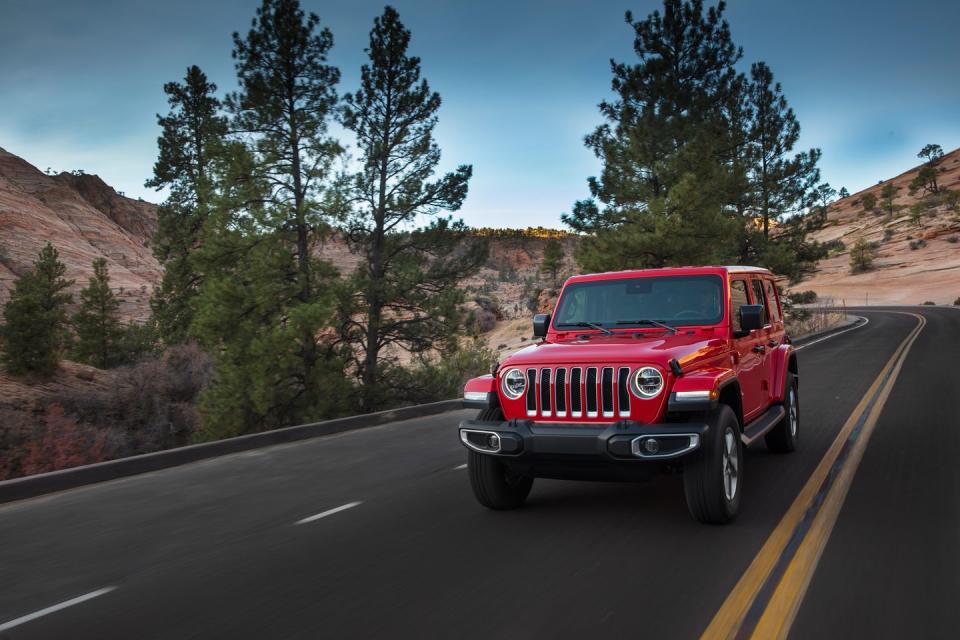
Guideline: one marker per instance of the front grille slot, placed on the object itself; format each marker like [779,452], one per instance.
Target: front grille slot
[576,392]
[623,399]
[591,389]
[560,392]
[606,391]
[531,395]
[545,392]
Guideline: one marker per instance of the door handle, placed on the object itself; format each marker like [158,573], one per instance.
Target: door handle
[759,348]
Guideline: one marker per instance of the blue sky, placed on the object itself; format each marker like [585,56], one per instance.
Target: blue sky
[871,82]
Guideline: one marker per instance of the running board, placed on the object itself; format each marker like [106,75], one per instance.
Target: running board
[761,425]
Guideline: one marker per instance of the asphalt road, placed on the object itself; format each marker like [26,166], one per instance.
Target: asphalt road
[213,549]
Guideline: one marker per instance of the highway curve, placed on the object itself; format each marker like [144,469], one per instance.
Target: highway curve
[392,544]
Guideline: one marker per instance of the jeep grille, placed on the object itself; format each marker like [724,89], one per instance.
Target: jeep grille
[577,392]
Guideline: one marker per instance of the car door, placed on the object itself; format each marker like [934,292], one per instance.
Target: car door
[764,339]
[749,360]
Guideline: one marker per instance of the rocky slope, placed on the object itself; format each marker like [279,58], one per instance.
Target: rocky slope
[929,271]
[84,219]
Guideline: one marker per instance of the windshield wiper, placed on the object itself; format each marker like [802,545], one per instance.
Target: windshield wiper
[590,325]
[655,323]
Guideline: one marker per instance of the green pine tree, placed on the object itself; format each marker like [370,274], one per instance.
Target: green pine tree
[780,181]
[404,294]
[190,144]
[673,174]
[862,255]
[552,259]
[888,195]
[35,331]
[96,323]
[266,300]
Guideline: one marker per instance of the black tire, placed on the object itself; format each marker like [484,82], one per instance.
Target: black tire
[783,438]
[705,483]
[494,485]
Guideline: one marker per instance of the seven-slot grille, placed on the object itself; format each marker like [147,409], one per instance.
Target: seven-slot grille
[577,392]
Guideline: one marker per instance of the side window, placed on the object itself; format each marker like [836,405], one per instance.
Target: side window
[738,298]
[773,305]
[758,298]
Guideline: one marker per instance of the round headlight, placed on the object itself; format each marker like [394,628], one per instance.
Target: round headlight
[513,383]
[647,382]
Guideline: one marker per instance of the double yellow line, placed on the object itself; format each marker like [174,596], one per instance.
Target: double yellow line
[765,601]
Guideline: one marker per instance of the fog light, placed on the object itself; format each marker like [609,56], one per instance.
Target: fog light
[494,441]
[651,445]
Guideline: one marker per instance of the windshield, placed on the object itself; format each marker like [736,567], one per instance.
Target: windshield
[672,300]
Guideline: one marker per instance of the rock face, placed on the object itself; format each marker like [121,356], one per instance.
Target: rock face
[84,219]
[914,263]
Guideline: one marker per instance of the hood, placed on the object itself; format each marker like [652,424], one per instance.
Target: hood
[689,349]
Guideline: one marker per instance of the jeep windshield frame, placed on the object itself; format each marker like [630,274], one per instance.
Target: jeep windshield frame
[642,301]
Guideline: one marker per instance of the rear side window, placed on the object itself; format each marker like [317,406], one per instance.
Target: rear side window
[758,298]
[773,306]
[738,298]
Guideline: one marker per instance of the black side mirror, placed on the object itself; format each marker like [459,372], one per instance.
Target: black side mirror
[751,317]
[540,323]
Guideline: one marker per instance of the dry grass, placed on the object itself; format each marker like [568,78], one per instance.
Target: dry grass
[801,321]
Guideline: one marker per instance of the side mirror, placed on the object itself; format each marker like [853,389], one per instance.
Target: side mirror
[751,317]
[540,323]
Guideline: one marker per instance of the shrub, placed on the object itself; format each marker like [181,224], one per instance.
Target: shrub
[917,244]
[62,443]
[152,404]
[956,302]
[930,303]
[431,380]
[832,246]
[802,297]
[953,239]
[887,234]
[861,256]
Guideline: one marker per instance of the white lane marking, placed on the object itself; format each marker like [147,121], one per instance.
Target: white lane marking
[57,607]
[865,322]
[459,466]
[344,507]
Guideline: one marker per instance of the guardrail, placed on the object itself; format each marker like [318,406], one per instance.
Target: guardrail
[43,483]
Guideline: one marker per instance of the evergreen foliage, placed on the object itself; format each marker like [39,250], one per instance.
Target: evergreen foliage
[869,201]
[403,296]
[96,323]
[861,256]
[698,159]
[190,142]
[888,195]
[552,259]
[266,298]
[35,330]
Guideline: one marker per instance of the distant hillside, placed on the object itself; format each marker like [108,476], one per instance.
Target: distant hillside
[928,272]
[84,219]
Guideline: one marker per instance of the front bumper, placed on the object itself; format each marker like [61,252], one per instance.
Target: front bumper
[525,441]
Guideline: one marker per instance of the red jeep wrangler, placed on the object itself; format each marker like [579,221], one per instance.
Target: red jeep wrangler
[639,372]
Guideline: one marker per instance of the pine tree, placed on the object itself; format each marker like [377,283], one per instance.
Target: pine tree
[35,329]
[869,201]
[844,193]
[266,299]
[862,255]
[887,196]
[671,176]
[781,182]
[96,324]
[552,259]
[404,295]
[191,141]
